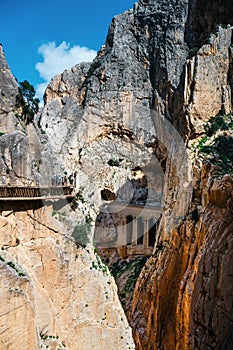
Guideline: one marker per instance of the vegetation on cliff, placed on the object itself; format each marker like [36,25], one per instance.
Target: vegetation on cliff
[217,144]
[27,101]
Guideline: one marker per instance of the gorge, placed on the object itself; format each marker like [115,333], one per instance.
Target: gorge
[140,255]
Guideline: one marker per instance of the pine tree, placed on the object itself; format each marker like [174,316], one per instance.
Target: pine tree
[26,99]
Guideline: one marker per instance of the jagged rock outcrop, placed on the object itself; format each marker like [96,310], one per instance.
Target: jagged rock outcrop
[26,157]
[8,93]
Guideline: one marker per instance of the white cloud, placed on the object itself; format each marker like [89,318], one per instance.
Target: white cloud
[58,58]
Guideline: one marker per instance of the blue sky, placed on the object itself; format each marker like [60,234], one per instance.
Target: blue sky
[53,33]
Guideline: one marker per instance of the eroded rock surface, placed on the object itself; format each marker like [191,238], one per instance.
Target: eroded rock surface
[164,71]
[145,101]
[26,156]
[54,295]
[55,292]
[187,286]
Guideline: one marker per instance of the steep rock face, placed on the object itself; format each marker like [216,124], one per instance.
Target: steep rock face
[112,88]
[157,81]
[187,286]
[211,304]
[26,157]
[141,62]
[208,78]
[54,295]
[8,93]
[113,106]
[142,74]
[64,112]
[204,16]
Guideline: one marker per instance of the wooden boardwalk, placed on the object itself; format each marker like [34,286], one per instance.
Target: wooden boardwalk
[19,193]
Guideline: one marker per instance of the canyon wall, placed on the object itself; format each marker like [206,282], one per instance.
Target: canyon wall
[183,298]
[158,97]
[55,292]
[162,83]
[54,295]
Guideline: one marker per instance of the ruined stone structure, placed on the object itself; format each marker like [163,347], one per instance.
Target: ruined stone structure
[135,227]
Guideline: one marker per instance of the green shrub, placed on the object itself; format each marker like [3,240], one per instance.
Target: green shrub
[192,52]
[77,198]
[88,219]
[93,67]
[219,122]
[220,153]
[201,147]
[220,150]
[80,234]
[26,100]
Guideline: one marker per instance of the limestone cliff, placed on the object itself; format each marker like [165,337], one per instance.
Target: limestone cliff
[159,93]
[158,98]
[26,157]
[55,291]
[54,295]
[187,284]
